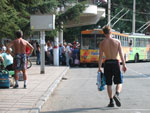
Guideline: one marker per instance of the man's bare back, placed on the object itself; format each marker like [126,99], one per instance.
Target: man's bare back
[110,48]
[19,46]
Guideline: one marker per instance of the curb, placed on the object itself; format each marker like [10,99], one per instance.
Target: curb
[46,95]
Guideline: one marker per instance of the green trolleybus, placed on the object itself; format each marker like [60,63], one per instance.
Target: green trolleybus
[139,47]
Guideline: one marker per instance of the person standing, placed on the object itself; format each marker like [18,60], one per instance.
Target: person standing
[111,47]
[67,53]
[38,52]
[20,57]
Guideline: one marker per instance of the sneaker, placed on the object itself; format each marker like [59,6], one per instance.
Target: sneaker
[117,100]
[25,86]
[16,86]
[111,104]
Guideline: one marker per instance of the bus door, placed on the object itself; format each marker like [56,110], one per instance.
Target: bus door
[131,49]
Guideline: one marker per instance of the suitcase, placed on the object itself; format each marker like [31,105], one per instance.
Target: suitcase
[4,79]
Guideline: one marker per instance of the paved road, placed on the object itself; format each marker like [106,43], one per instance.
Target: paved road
[79,94]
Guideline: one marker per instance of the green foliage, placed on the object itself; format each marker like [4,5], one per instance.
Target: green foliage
[15,14]
[71,14]
[7,19]
[142,13]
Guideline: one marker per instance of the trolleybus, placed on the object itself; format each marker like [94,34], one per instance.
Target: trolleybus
[135,47]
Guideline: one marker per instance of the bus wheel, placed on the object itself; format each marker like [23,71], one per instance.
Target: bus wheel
[136,58]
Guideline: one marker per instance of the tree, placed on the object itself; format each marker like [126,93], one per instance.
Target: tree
[8,17]
[15,14]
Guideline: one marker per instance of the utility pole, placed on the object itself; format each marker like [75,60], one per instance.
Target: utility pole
[134,10]
[42,58]
[109,12]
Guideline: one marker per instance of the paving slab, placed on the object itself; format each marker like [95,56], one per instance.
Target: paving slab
[39,88]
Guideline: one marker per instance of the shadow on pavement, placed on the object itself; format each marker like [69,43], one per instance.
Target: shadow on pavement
[137,76]
[80,110]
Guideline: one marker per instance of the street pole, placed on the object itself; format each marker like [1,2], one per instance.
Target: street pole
[61,30]
[109,12]
[42,58]
[56,51]
[134,10]
[61,34]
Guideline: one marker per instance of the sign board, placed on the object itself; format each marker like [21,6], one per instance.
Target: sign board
[42,22]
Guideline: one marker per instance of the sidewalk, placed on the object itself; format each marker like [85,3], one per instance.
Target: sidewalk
[39,88]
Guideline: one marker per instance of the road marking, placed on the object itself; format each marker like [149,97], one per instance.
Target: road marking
[144,75]
[136,110]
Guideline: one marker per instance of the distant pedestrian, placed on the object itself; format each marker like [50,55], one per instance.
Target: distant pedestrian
[111,47]
[67,53]
[20,57]
[38,52]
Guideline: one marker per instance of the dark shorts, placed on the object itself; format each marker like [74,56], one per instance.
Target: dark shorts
[20,62]
[112,72]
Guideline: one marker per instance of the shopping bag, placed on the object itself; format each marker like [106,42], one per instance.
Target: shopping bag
[4,79]
[76,61]
[101,81]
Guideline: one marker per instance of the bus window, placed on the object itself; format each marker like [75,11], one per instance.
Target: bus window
[85,43]
[142,42]
[131,42]
[92,43]
[127,44]
[146,40]
[99,38]
[118,37]
[113,36]
[88,41]
[137,42]
[125,41]
[121,40]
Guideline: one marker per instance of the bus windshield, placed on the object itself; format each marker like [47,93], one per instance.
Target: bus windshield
[99,38]
[91,41]
[88,41]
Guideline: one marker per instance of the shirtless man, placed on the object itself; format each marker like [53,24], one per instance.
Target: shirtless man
[19,53]
[111,47]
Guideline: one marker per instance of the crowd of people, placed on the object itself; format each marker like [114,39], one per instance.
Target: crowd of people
[68,53]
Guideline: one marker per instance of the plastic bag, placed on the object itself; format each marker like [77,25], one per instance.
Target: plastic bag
[101,81]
